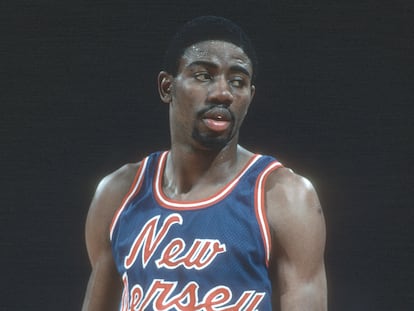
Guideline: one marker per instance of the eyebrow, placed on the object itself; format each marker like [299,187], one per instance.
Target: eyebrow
[213,65]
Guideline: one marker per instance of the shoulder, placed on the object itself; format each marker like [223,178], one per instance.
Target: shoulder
[107,199]
[118,182]
[112,189]
[291,200]
[285,187]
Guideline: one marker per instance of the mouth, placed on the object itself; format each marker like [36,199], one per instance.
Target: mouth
[217,119]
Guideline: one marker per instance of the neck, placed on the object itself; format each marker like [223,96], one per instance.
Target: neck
[187,169]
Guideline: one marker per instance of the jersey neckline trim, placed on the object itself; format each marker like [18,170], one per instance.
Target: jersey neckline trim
[169,203]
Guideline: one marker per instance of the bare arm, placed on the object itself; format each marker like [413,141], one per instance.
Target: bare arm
[298,241]
[104,287]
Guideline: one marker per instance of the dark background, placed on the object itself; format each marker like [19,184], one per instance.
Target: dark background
[334,102]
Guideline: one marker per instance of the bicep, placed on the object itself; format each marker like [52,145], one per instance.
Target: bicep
[298,243]
[104,286]
[98,221]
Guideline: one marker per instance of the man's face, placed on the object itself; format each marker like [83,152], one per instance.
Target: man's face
[211,94]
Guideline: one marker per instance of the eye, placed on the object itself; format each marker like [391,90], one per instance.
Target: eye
[237,82]
[202,76]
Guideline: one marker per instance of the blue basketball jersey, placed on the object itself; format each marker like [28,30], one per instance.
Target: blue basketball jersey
[211,254]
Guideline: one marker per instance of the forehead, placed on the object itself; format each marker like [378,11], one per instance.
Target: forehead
[215,51]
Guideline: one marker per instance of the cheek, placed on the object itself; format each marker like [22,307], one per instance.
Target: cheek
[186,93]
[243,105]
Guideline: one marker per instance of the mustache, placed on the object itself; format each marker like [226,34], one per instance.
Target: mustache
[216,108]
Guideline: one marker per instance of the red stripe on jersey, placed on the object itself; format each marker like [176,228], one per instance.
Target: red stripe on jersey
[260,207]
[136,185]
[164,201]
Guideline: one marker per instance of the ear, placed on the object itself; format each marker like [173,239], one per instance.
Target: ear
[165,86]
[252,91]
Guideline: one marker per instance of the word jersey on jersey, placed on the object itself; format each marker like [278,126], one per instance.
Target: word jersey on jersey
[211,254]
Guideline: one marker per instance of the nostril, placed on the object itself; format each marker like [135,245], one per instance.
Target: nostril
[221,99]
[220,94]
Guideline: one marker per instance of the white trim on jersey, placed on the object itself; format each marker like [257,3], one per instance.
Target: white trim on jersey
[128,197]
[169,203]
[260,206]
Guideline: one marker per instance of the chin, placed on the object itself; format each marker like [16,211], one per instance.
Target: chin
[212,142]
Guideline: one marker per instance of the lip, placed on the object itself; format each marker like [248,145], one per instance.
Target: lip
[217,119]
[216,125]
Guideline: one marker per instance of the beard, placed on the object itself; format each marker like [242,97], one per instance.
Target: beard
[211,142]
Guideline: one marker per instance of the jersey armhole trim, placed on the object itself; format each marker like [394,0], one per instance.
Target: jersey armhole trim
[134,189]
[260,208]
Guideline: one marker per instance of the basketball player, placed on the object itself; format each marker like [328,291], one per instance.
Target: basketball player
[207,224]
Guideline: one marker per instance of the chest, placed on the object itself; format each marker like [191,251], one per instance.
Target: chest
[153,237]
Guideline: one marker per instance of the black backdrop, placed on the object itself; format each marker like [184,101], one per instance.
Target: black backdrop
[334,101]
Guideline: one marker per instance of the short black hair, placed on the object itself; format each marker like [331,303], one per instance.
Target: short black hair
[205,28]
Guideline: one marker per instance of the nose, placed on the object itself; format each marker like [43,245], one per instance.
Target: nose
[220,91]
